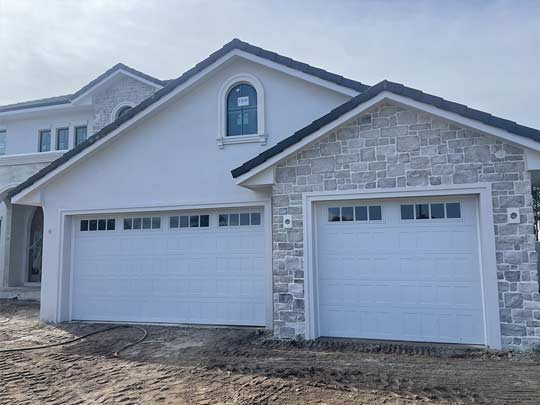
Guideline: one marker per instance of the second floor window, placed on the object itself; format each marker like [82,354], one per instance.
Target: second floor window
[3,139]
[45,140]
[242,110]
[62,138]
[80,135]
[123,111]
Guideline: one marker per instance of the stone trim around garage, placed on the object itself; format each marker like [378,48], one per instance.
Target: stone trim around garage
[393,146]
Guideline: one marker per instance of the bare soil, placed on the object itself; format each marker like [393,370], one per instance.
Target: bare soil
[188,365]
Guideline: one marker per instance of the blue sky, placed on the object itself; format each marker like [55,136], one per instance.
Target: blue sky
[485,54]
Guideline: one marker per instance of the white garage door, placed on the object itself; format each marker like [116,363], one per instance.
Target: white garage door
[197,267]
[400,269]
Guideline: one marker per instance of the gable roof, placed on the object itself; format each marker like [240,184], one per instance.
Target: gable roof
[372,92]
[66,99]
[235,44]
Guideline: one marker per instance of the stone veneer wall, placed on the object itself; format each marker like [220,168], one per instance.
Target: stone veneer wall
[396,147]
[125,89]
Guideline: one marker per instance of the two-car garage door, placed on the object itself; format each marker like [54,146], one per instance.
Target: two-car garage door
[177,267]
[400,269]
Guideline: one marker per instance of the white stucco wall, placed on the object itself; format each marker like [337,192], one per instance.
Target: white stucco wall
[172,159]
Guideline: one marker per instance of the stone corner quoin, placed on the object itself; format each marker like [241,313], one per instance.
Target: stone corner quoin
[392,146]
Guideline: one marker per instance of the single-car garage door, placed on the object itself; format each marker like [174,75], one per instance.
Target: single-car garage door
[400,270]
[177,267]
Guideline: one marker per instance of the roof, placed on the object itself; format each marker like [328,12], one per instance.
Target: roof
[173,84]
[66,99]
[372,92]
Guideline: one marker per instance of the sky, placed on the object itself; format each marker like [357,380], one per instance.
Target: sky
[485,54]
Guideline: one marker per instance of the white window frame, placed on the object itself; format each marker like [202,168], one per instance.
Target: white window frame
[52,139]
[118,107]
[261,135]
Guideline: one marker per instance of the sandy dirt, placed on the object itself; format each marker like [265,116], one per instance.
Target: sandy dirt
[185,365]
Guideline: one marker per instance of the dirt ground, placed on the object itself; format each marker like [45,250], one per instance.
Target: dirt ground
[184,365]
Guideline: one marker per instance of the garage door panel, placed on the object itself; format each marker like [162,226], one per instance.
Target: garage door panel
[204,275]
[393,279]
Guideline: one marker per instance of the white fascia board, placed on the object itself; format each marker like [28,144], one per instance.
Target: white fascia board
[296,73]
[263,179]
[385,95]
[18,198]
[22,112]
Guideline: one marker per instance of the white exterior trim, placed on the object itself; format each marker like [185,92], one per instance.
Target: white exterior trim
[296,73]
[261,135]
[16,114]
[384,96]
[486,248]
[27,158]
[119,106]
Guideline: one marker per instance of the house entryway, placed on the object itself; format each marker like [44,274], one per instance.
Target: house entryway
[35,247]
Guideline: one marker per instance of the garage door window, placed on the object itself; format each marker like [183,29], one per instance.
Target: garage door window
[142,223]
[358,213]
[97,225]
[431,211]
[241,219]
[189,221]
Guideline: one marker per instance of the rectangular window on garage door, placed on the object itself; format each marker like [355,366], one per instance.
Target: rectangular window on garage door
[189,221]
[355,213]
[239,219]
[88,225]
[431,211]
[141,223]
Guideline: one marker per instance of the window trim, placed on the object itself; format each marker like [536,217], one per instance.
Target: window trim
[57,138]
[40,134]
[260,136]
[75,128]
[118,107]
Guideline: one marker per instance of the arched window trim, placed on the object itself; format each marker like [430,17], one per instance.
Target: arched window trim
[260,136]
[118,107]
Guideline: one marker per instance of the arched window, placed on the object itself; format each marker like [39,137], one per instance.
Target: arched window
[122,111]
[242,110]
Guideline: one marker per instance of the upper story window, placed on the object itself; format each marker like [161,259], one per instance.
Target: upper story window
[81,133]
[242,110]
[3,140]
[122,111]
[45,140]
[62,138]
